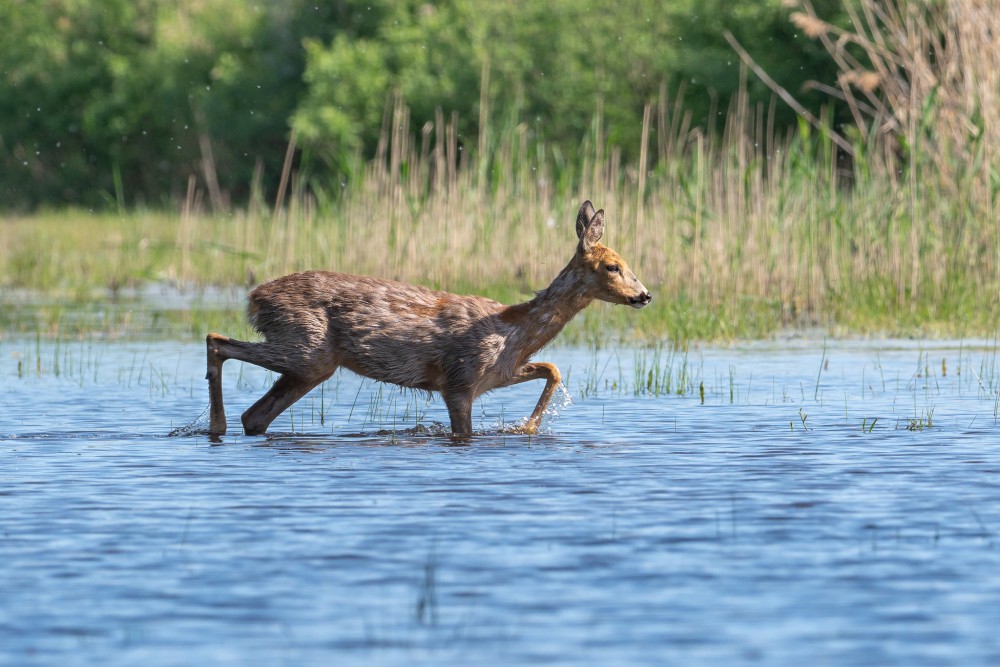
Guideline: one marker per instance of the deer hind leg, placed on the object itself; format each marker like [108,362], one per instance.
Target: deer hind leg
[538,371]
[216,357]
[285,391]
[220,349]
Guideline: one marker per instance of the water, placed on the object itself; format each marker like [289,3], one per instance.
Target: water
[835,503]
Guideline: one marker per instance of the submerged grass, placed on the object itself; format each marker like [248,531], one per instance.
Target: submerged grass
[924,390]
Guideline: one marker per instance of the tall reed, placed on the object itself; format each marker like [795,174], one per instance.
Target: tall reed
[737,233]
[748,223]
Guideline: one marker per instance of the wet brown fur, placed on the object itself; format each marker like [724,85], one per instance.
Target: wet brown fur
[460,346]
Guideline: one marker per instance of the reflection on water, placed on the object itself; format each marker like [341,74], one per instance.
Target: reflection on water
[770,504]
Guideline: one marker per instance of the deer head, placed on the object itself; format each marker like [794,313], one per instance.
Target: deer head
[605,274]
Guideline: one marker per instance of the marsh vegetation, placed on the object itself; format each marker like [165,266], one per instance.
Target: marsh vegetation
[883,225]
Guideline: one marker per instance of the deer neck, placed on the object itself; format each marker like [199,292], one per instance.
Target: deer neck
[542,318]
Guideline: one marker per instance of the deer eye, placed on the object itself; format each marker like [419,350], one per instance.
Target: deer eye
[613,268]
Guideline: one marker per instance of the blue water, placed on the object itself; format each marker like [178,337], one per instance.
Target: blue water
[833,503]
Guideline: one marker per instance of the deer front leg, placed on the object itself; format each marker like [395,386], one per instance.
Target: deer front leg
[538,371]
[459,404]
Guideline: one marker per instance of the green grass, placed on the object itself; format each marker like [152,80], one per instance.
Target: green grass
[737,236]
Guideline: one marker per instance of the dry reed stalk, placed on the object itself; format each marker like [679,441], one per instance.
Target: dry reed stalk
[746,217]
[185,234]
[286,170]
[930,76]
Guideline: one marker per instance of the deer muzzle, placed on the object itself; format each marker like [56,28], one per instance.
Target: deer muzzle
[642,300]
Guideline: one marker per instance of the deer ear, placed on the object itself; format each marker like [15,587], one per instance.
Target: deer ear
[594,231]
[583,218]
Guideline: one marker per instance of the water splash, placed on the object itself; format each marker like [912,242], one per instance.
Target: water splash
[561,400]
[433,429]
[198,426]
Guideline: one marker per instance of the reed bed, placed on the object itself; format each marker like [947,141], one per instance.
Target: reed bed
[737,233]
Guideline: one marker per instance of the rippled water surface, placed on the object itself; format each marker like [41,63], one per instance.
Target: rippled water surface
[781,503]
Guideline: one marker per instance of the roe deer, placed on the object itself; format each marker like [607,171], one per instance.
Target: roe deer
[460,346]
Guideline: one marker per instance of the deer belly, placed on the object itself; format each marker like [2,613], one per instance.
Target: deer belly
[414,367]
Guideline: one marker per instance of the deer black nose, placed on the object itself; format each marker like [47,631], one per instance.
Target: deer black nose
[641,300]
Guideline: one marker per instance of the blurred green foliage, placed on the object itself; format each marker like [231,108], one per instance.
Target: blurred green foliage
[119,102]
